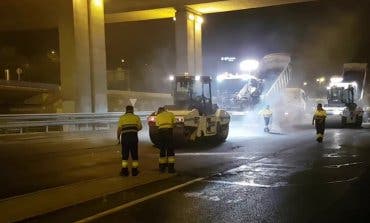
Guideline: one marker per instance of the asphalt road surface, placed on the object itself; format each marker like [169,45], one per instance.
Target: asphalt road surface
[285,176]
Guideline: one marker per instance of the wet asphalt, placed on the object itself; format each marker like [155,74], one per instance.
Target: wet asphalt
[253,177]
[308,182]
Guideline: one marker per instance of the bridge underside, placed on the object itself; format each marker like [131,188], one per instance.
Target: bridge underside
[81,29]
[40,14]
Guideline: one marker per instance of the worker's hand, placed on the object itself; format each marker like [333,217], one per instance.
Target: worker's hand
[118,141]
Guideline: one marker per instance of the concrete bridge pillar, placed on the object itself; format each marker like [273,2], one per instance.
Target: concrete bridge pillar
[82,56]
[188,30]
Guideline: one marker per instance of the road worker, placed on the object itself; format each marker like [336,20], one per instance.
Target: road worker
[266,114]
[129,125]
[165,122]
[319,121]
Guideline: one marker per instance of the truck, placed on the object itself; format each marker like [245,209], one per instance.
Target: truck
[245,91]
[196,116]
[347,95]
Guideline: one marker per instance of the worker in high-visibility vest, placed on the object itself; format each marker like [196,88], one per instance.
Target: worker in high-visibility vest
[165,122]
[129,125]
[266,114]
[319,121]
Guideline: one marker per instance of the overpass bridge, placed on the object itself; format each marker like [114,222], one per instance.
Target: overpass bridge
[81,26]
[29,97]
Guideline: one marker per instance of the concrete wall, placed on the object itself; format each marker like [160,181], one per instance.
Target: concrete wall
[146,101]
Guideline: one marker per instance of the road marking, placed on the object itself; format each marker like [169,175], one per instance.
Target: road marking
[250,183]
[140,200]
[342,165]
[206,154]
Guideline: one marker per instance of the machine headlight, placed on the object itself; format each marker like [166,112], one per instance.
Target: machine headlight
[337,112]
[151,119]
[179,119]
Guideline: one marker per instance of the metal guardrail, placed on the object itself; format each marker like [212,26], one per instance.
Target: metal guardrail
[65,121]
[72,121]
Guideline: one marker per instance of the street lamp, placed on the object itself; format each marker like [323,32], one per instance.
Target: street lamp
[320,80]
[98,3]
[249,65]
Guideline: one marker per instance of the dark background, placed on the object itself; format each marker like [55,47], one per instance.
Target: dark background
[320,36]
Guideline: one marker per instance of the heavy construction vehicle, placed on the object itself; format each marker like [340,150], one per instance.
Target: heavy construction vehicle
[245,91]
[346,95]
[196,116]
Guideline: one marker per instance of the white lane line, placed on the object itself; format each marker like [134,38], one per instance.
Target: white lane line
[140,200]
[342,165]
[205,154]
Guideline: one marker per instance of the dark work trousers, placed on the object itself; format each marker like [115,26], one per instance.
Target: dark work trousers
[129,143]
[267,121]
[320,128]
[166,142]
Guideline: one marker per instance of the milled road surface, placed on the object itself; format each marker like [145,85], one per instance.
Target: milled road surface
[253,177]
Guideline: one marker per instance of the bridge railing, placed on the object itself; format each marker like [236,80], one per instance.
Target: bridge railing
[60,122]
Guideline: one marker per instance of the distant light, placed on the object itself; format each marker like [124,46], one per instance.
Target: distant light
[249,65]
[230,76]
[320,80]
[53,52]
[336,79]
[220,78]
[229,59]
[197,78]
[304,83]
[191,17]
[174,18]
[199,19]
[171,78]
[122,60]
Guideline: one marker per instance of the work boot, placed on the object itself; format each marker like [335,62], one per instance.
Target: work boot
[124,172]
[171,168]
[134,172]
[162,167]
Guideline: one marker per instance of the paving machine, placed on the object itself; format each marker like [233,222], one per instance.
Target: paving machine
[346,95]
[196,116]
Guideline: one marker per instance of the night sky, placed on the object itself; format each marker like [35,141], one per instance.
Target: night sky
[320,36]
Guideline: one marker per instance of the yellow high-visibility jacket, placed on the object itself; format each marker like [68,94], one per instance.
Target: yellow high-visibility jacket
[319,115]
[165,120]
[129,123]
[266,113]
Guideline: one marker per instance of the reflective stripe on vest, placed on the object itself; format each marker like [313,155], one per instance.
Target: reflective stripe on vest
[135,164]
[171,159]
[165,125]
[129,128]
[162,160]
